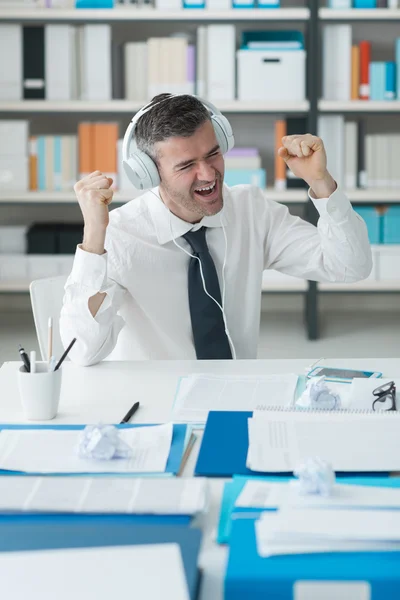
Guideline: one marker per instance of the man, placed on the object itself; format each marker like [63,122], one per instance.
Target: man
[149,279]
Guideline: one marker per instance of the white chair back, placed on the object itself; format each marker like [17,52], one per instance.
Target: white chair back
[46,300]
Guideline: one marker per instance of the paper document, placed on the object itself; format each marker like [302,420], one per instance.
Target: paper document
[361,397]
[268,546]
[336,524]
[280,442]
[103,495]
[270,494]
[51,451]
[148,572]
[197,394]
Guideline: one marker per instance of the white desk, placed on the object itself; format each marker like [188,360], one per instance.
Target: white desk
[106,391]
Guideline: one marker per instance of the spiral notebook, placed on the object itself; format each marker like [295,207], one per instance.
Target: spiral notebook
[350,440]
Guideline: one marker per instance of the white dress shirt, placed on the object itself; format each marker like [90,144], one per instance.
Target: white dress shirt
[145,314]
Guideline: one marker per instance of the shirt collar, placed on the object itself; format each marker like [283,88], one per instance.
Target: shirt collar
[168,226]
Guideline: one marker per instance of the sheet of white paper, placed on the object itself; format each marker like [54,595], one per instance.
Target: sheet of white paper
[148,572]
[104,495]
[51,451]
[200,393]
[267,547]
[337,524]
[262,494]
[348,441]
[361,397]
[346,496]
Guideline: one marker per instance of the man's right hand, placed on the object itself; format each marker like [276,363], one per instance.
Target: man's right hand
[94,194]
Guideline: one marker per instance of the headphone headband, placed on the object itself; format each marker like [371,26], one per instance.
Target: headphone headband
[141,169]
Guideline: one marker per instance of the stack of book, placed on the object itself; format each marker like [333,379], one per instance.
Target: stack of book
[349,73]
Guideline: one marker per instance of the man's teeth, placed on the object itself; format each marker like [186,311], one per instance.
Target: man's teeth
[203,189]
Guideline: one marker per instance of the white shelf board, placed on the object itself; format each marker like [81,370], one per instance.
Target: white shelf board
[129,107]
[337,106]
[361,286]
[286,197]
[358,14]
[14,286]
[290,286]
[131,15]
[372,196]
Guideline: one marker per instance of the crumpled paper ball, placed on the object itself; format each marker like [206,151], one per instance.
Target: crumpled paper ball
[318,396]
[316,476]
[102,442]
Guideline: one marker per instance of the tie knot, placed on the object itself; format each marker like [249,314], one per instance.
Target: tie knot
[197,240]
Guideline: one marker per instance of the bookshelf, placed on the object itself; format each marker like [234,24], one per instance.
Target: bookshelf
[125,14]
[128,107]
[311,17]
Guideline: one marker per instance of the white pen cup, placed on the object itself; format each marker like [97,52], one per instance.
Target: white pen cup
[40,392]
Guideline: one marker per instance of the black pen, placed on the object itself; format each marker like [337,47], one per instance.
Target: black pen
[25,359]
[64,356]
[130,413]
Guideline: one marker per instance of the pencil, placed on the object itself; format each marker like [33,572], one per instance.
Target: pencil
[50,340]
[187,452]
[64,356]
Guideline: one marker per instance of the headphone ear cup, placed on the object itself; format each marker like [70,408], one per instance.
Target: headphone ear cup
[141,171]
[223,133]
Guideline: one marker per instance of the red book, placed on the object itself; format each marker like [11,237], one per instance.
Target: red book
[365,59]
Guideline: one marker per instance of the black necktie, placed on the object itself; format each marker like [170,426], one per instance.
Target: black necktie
[210,340]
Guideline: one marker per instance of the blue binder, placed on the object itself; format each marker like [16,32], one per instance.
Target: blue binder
[250,576]
[174,459]
[232,489]
[23,536]
[224,446]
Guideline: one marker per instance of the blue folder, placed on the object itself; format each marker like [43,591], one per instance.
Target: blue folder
[174,459]
[250,576]
[224,446]
[23,536]
[232,490]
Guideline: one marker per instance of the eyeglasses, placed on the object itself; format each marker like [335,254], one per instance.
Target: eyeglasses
[385,396]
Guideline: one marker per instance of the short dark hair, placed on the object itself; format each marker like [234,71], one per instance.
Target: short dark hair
[180,116]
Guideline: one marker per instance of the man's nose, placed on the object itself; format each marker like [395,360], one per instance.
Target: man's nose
[205,172]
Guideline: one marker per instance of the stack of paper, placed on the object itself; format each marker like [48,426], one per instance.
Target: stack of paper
[103,495]
[197,394]
[55,451]
[150,572]
[301,531]
[281,441]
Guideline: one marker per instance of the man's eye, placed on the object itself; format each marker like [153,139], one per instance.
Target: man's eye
[187,167]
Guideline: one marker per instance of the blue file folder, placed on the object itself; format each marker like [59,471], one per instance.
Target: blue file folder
[174,459]
[224,446]
[250,576]
[23,536]
[232,489]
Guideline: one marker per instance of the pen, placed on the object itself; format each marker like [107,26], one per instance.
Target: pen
[25,359]
[50,339]
[130,413]
[33,361]
[64,356]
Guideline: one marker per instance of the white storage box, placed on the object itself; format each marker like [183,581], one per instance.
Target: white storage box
[272,76]
[389,263]
[42,265]
[13,239]
[64,263]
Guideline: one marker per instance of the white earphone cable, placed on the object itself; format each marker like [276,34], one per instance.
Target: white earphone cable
[233,350]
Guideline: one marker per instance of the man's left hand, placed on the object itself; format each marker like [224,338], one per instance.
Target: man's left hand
[306,157]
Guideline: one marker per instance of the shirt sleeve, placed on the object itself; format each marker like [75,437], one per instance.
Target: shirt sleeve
[337,250]
[96,336]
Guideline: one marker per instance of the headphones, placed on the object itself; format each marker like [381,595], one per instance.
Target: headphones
[140,168]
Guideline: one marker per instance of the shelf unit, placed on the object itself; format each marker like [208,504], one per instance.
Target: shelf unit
[314,17]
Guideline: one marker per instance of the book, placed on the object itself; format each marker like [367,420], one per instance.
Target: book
[355,72]
[280,165]
[221,46]
[365,59]
[11,62]
[337,63]
[33,61]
